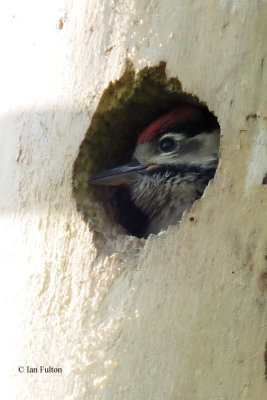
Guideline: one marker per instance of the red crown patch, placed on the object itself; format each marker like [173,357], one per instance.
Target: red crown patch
[179,115]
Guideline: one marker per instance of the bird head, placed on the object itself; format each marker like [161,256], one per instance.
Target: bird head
[184,139]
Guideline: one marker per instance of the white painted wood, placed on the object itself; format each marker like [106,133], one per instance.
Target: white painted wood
[186,317]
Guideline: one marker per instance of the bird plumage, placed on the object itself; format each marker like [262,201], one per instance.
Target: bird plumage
[174,158]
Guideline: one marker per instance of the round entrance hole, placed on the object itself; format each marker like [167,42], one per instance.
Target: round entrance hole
[126,108]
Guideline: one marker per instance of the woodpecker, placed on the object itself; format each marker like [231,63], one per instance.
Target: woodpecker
[174,158]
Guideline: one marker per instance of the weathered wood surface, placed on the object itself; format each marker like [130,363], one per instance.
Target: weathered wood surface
[182,315]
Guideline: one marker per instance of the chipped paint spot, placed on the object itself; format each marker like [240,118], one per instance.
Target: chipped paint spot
[257,164]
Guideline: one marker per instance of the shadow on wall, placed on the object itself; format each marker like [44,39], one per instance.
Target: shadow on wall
[37,150]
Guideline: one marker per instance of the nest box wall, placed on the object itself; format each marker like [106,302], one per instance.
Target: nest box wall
[179,315]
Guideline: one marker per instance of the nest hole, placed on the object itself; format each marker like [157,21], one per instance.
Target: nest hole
[126,107]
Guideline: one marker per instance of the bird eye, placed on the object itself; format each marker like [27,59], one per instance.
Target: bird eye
[167,144]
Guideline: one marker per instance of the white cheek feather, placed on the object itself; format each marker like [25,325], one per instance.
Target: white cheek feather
[204,153]
[208,152]
[144,153]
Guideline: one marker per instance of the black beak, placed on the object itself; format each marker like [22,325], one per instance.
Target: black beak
[122,175]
